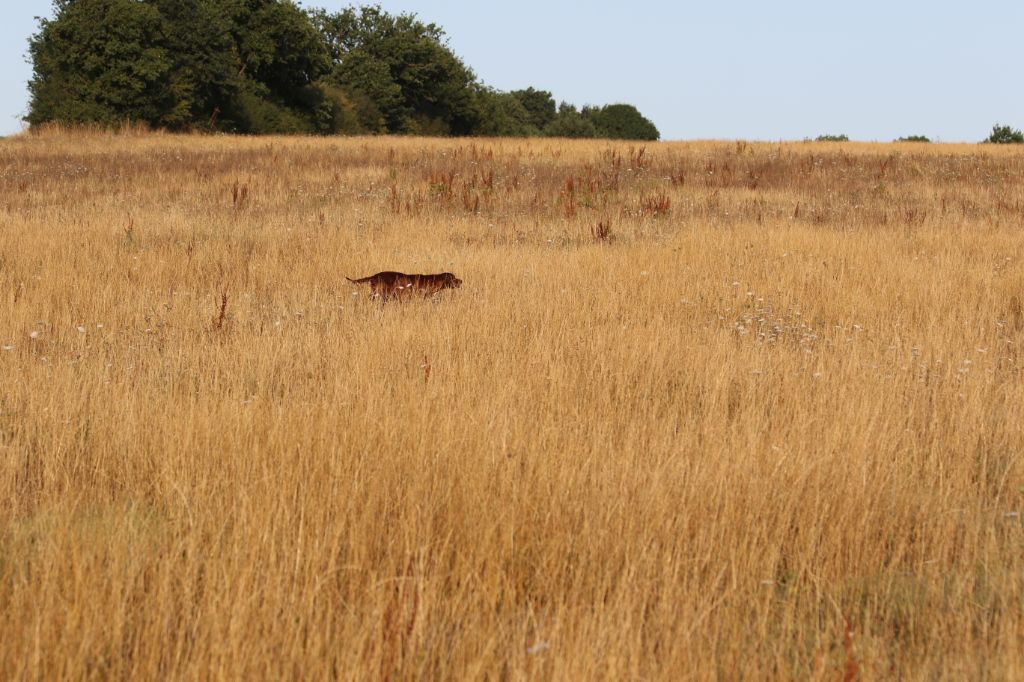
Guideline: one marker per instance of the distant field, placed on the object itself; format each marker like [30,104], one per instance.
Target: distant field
[698,410]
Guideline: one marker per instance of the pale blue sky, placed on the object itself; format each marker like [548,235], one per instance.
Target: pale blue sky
[791,69]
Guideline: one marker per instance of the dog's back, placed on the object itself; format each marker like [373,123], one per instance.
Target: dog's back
[388,276]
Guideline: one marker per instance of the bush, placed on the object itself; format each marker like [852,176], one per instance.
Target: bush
[569,122]
[259,115]
[404,66]
[914,138]
[539,105]
[832,138]
[502,114]
[621,122]
[334,112]
[1005,135]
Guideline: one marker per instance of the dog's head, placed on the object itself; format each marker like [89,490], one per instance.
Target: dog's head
[450,281]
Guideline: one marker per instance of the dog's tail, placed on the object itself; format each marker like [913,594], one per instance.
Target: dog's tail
[354,281]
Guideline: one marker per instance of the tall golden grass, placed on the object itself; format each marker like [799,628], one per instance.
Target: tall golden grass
[702,410]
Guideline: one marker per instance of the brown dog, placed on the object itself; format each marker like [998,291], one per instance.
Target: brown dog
[389,285]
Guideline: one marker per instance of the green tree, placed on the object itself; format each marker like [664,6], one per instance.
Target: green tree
[404,66]
[105,61]
[205,75]
[280,57]
[569,122]
[502,114]
[1005,135]
[265,66]
[242,65]
[621,122]
[341,113]
[539,104]
[913,138]
[278,47]
[368,77]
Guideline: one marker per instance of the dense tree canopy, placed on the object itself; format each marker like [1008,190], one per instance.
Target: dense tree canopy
[569,122]
[621,121]
[539,105]
[104,61]
[403,66]
[266,66]
[237,65]
[502,114]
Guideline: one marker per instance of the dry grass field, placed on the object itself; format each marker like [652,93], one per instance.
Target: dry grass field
[701,410]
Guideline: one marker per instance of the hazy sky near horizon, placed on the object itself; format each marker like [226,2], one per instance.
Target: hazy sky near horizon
[872,70]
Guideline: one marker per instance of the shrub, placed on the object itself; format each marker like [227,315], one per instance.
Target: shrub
[621,122]
[502,114]
[403,65]
[832,138]
[259,114]
[334,111]
[1005,135]
[539,105]
[913,138]
[569,122]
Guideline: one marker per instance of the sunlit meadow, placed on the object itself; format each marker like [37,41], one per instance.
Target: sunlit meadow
[699,410]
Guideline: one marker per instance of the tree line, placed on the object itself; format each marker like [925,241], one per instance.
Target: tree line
[268,66]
